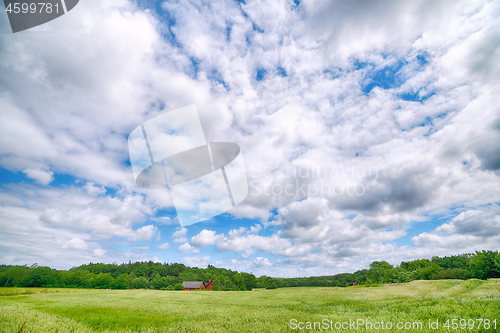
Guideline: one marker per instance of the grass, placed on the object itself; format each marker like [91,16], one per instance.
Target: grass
[78,310]
[26,291]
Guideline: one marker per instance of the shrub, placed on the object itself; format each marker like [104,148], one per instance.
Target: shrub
[138,283]
[449,273]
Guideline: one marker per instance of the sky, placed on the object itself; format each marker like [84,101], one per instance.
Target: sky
[370,130]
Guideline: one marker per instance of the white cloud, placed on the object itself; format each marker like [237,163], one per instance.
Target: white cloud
[99,252]
[94,190]
[165,220]
[105,217]
[164,246]
[144,233]
[76,244]
[196,261]
[62,135]
[471,230]
[21,136]
[260,261]
[186,248]
[42,177]
[180,240]
[429,155]
[25,240]
[180,233]
[205,238]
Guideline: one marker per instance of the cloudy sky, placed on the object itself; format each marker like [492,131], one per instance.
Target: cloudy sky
[370,130]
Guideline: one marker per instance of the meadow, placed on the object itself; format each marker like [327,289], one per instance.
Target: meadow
[90,310]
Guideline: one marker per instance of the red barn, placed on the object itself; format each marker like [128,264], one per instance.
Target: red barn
[209,285]
[197,285]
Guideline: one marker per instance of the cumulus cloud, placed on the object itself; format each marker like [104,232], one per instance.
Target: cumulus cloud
[395,101]
[42,177]
[180,236]
[180,233]
[472,229]
[187,248]
[94,190]
[70,139]
[25,240]
[99,252]
[76,244]
[180,240]
[260,261]
[205,238]
[196,261]
[105,217]
[310,225]
[164,246]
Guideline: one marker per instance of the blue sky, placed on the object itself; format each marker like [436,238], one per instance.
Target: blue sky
[369,130]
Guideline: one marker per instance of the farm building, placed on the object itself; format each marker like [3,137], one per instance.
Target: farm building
[197,285]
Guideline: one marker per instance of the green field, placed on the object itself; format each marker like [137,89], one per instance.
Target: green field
[80,310]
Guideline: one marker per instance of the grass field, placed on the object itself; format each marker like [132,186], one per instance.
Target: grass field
[77,310]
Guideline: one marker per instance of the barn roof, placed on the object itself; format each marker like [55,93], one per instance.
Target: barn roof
[192,284]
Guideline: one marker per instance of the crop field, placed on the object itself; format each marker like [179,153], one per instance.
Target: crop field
[278,310]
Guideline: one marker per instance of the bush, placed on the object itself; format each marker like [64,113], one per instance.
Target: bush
[138,283]
[272,286]
[426,272]
[449,273]
[404,276]
[178,286]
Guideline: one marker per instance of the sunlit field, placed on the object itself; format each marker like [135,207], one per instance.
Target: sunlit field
[80,310]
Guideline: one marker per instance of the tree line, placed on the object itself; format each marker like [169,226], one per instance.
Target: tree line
[151,275]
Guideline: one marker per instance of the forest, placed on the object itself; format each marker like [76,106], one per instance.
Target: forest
[151,275]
